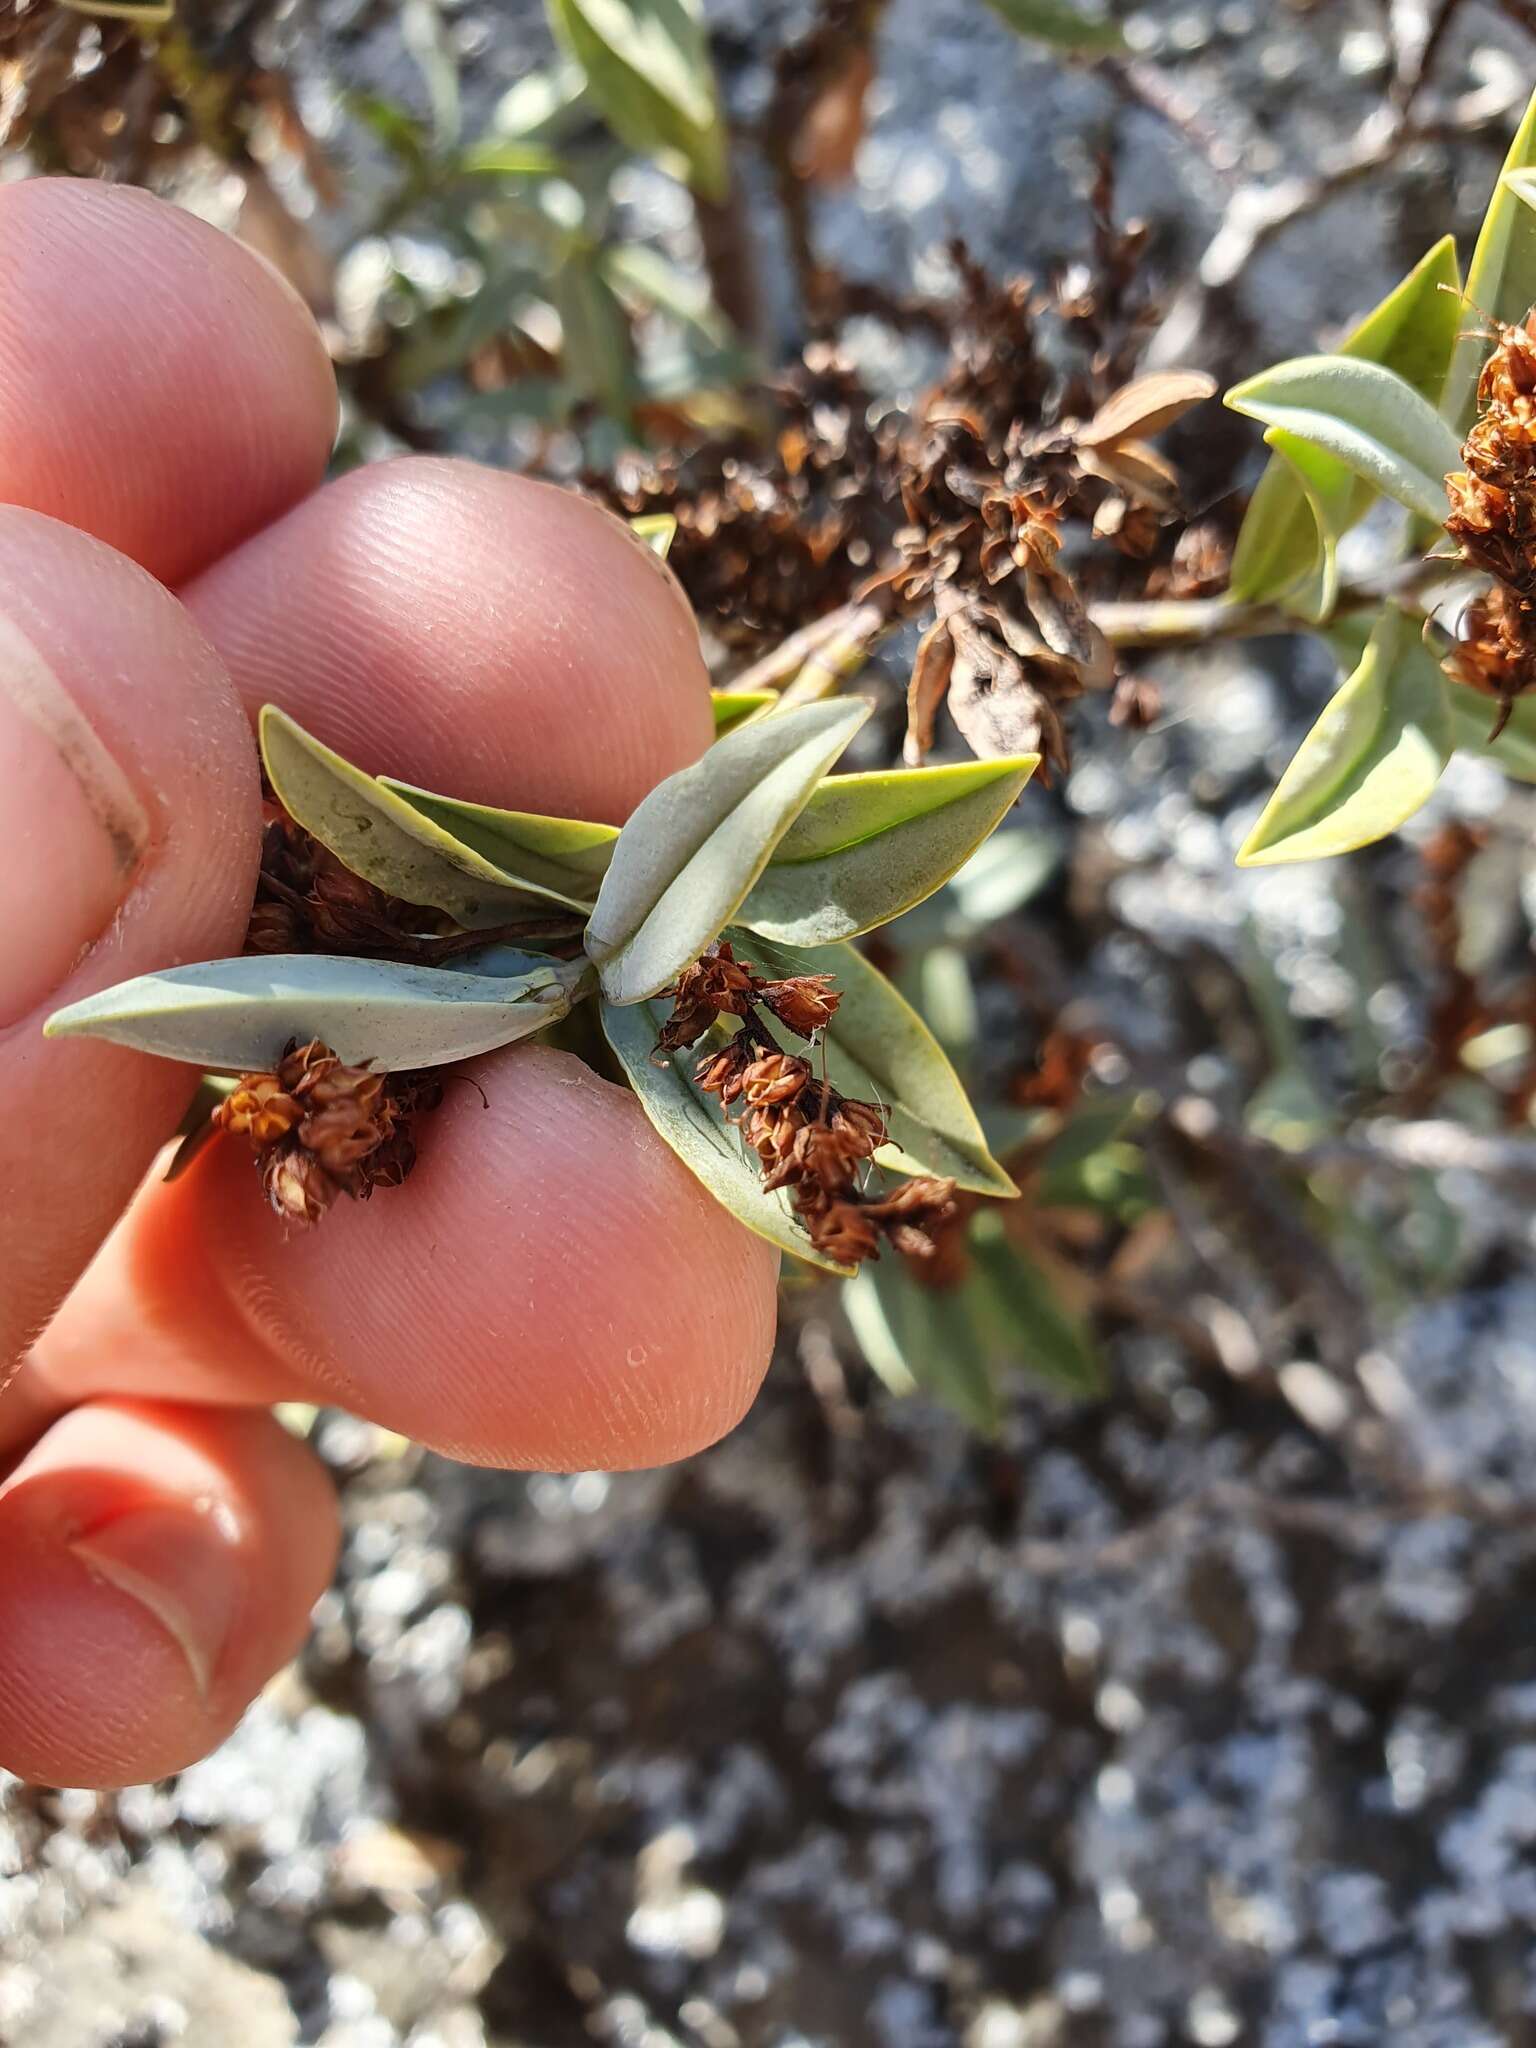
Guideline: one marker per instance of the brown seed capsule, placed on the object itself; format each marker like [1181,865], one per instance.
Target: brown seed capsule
[721,1073]
[774,1077]
[803,1003]
[260,1109]
[297,1185]
[842,1229]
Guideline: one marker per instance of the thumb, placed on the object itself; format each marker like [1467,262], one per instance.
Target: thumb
[130,814]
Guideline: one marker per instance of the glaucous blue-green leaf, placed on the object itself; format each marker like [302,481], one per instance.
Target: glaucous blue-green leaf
[867,847]
[698,1130]
[924,1339]
[878,1049]
[234,1016]
[1369,418]
[648,69]
[562,858]
[658,530]
[382,837]
[1015,1301]
[1472,719]
[1501,278]
[686,860]
[1286,548]
[1371,760]
[1062,25]
[735,707]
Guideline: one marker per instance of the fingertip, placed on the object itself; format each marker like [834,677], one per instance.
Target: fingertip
[157,1565]
[476,632]
[551,1290]
[160,386]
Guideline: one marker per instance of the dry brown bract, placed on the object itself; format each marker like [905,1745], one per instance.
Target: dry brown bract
[951,514]
[810,1140]
[320,1128]
[1493,522]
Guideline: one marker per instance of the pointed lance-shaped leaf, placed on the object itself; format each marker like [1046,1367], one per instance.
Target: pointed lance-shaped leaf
[1501,278]
[1062,24]
[1145,406]
[868,847]
[1286,546]
[648,69]
[698,1130]
[1371,419]
[234,1016]
[734,707]
[381,837]
[920,1339]
[562,858]
[687,858]
[879,1050]
[1371,760]
[1031,1329]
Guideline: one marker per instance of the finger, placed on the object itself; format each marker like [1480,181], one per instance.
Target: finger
[157,1565]
[160,386]
[484,635]
[129,798]
[552,1290]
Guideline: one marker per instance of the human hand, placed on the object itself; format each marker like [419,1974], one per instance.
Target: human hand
[554,1290]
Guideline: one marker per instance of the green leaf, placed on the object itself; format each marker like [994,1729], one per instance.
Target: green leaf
[1367,417]
[734,707]
[382,837]
[1061,25]
[503,157]
[658,530]
[647,65]
[235,1016]
[1501,279]
[879,1050]
[867,847]
[685,861]
[562,858]
[598,354]
[142,13]
[1035,1332]
[1472,716]
[1286,548]
[1371,760]
[698,1130]
[927,1339]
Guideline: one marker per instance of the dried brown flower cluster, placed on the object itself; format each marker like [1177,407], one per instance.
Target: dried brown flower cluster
[307,901]
[809,1139]
[952,512]
[320,1128]
[1493,521]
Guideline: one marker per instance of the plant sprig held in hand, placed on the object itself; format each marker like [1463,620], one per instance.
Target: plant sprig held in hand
[397,931]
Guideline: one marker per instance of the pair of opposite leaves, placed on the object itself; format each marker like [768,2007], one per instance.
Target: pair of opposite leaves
[755,841]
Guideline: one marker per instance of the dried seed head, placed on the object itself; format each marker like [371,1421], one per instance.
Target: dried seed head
[321,1128]
[717,985]
[774,1077]
[803,1003]
[723,1073]
[843,1229]
[260,1109]
[296,1184]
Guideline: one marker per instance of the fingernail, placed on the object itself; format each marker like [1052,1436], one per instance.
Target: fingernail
[75,831]
[183,1567]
